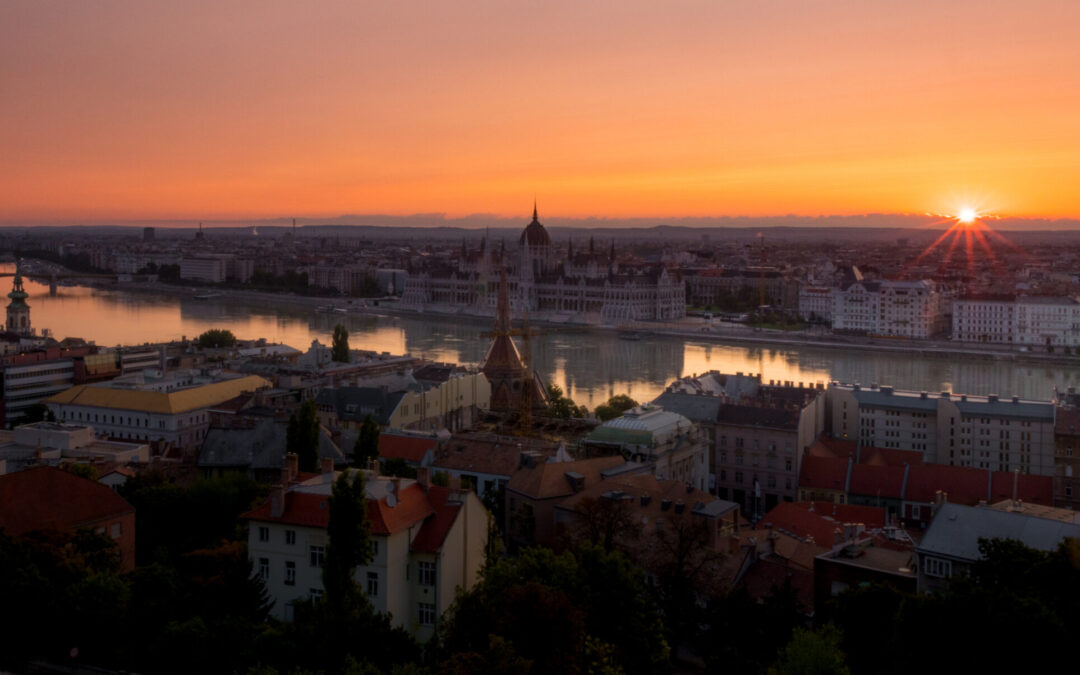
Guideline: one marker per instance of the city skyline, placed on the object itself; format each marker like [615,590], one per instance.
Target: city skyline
[122,111]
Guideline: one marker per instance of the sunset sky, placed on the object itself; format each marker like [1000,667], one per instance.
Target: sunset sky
[242,109]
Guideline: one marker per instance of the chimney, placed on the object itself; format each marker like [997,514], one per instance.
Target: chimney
[326,465]
[277,501]
[292,465]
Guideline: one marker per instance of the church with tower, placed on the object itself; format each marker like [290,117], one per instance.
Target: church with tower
[18,312]
[588,286]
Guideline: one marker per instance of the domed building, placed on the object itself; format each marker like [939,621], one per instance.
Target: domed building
[587,287]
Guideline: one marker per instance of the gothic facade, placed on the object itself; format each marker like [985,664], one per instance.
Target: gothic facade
[589,284]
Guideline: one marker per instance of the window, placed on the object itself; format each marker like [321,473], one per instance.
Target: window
[316,554]
[916,511]
[114,531]
[373,584]
[264,569]
[936,567]
[427,614]
[290,573]
[290,537]
[426,572]
[264,533]
[374,547]
[315,593]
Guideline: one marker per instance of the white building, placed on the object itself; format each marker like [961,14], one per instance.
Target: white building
[178,417]
[427,542]
[1025,320]
[816,303]
[211,269]
[984,432]
[911,309]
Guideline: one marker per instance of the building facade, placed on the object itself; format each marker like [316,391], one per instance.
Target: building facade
[985,432]
[426,542]
[590,285]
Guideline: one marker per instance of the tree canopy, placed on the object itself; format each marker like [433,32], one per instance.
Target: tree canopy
[367,442]
[570,613]
[216,338]
[615,406]
[339,350]
[562,407]
[302,436]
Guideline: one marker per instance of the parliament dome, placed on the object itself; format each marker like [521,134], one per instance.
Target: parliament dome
[535,234]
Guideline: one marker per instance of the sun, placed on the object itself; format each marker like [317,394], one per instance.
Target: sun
[967,215]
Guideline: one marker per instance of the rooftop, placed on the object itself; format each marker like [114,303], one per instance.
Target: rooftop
[170,403]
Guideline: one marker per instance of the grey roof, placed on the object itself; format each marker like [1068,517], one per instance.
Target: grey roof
[356,403]
[694,407]
[1027,410]
[717,508]
[261,446]
[956,530]
[896,400]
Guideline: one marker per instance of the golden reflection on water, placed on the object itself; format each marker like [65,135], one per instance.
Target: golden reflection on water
[589,366]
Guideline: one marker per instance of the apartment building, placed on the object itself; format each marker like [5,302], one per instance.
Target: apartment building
[1026,320]
[426,542]
[985,432]
[910,309]
[760,439]
[816,303]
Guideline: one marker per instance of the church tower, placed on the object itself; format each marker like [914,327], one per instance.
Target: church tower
[18,312]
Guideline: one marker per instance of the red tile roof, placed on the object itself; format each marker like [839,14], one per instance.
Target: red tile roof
[408,448]
[433,532]
[821,520]
[45,498]
[883,481]
[412,506]
[313,510]
[824,473]
[1033,489]
[827,446]
[964,485]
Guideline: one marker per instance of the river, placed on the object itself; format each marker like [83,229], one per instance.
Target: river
[589,366]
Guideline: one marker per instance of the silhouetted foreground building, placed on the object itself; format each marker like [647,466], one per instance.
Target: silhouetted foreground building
[44,498]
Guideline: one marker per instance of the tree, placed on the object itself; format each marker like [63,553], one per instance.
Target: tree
[615,406]
[302,436]
[591,604]
[367,442]
[38,412]
[396,467]
[812,653]
[340,349]
[349,544]
[608,523]
[216,338]
[562,407]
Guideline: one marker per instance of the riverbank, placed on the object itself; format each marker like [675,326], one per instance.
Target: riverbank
[690,329]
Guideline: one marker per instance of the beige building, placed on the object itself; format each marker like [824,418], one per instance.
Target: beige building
[427,542]
[984,432]
[450,398]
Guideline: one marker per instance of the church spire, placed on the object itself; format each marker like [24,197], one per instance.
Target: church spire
[536,218]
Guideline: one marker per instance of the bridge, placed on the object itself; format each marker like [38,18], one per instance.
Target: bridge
[54,277]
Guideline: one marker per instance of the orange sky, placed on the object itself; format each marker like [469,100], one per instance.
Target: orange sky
[222,109]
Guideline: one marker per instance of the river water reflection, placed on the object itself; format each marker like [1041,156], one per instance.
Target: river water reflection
[590,366]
